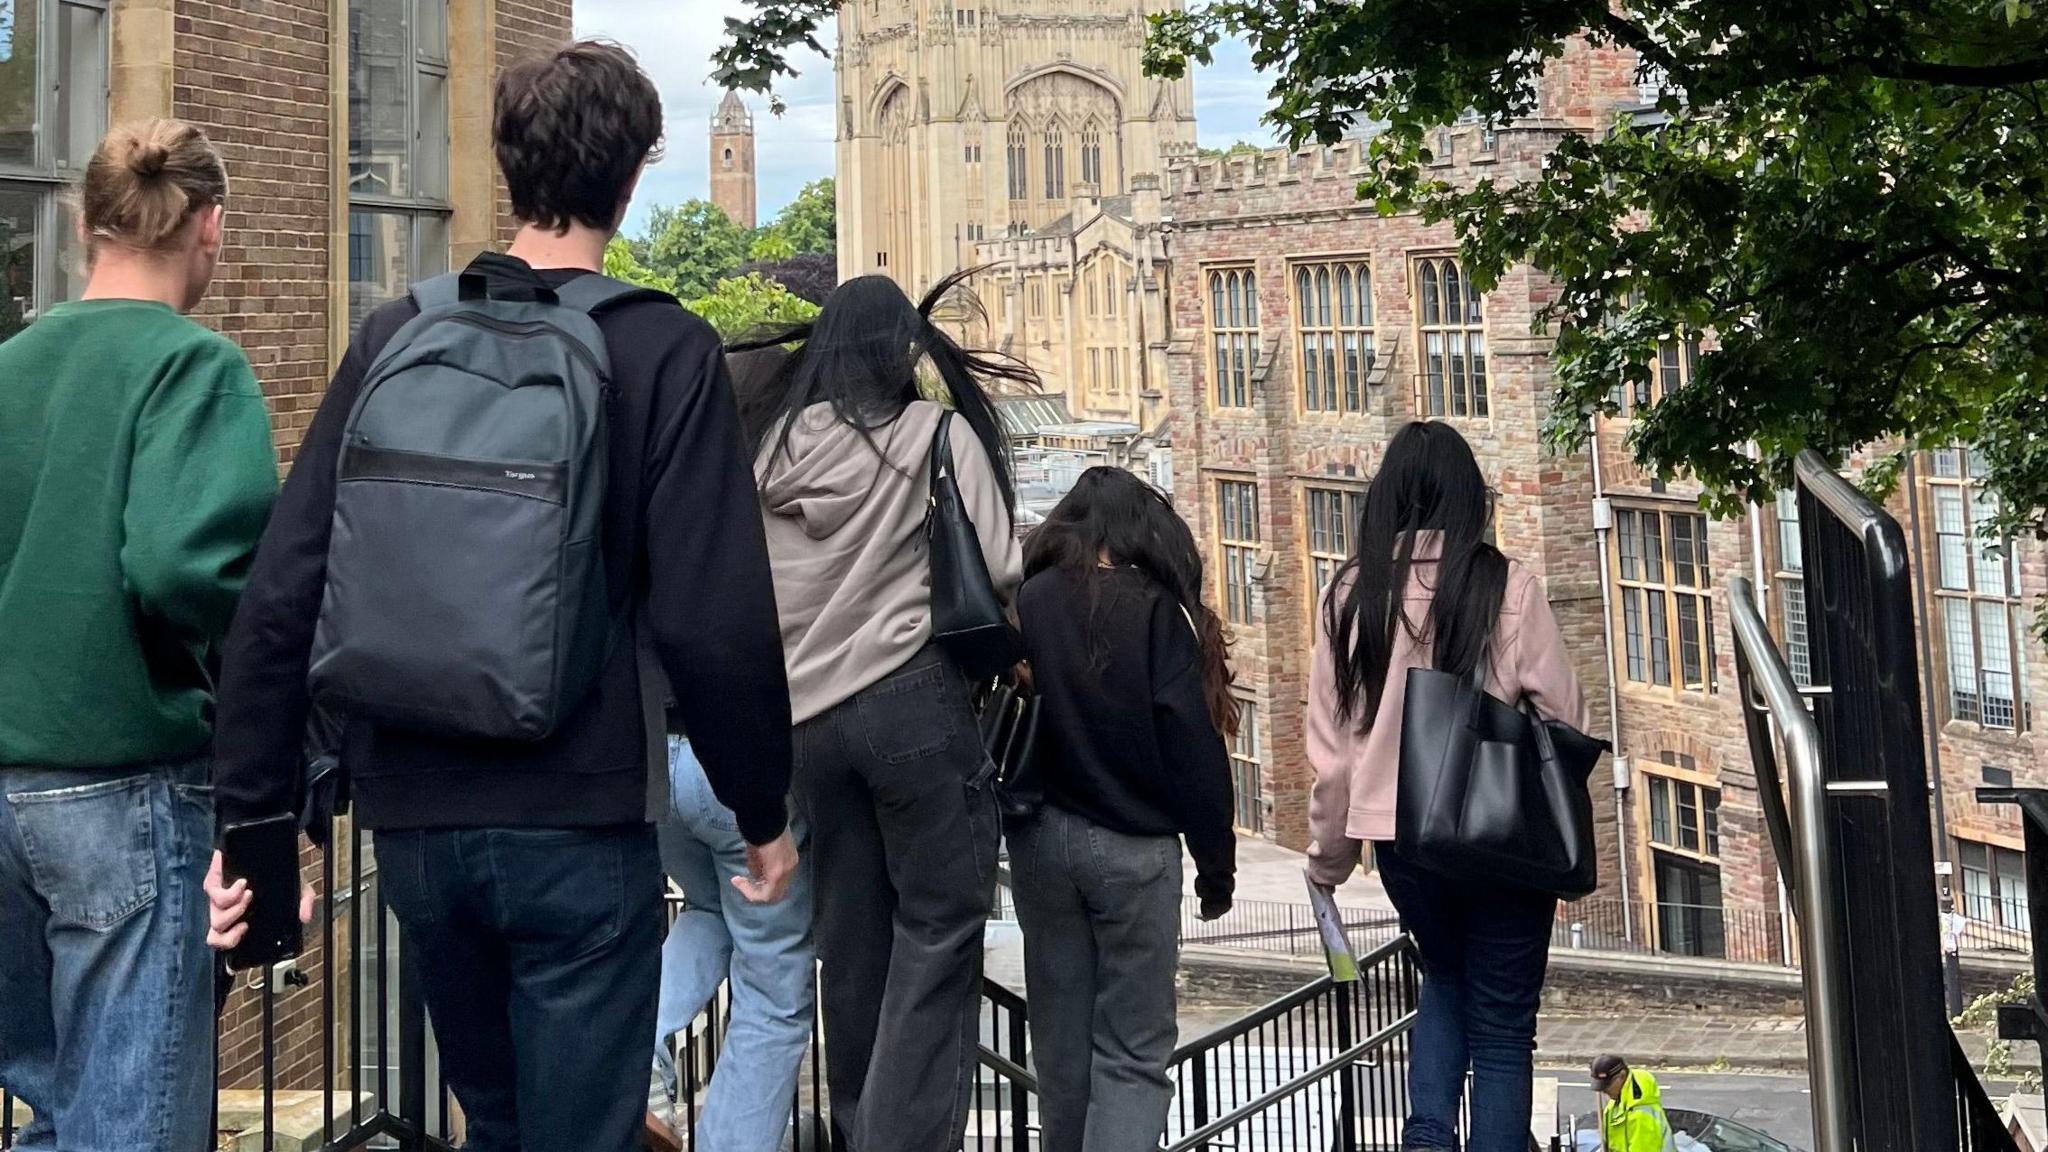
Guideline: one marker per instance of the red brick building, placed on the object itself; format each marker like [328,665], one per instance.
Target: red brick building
[1307,329]
[357,139]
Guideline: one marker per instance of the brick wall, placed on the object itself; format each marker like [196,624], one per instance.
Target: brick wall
[256,75]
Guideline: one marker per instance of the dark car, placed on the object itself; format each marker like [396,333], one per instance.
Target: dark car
[1721,1135]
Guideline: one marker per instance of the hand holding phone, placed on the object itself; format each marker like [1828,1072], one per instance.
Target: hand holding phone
[251,888]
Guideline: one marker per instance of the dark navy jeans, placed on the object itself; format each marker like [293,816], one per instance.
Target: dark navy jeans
[106,983]
[1484,952]
[539,953]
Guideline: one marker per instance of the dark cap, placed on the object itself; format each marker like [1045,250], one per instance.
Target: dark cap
[1607,1068]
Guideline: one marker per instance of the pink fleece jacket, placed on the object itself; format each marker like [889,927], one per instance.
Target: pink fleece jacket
[1357,766]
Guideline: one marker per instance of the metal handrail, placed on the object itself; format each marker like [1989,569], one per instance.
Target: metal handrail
[1317,1075]
[1820,919]
[1251,1021]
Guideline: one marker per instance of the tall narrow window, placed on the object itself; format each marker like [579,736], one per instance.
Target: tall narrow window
[1332,518]
[1246,775]
[1977,600]
[1452,318]
[1791,581]
[1333,321]
[1234,334]
[1020,163]
[1091,155]
[1685,850]
[1667,611]
[398,148]
[1055,162]
[1238,520]
[53,111]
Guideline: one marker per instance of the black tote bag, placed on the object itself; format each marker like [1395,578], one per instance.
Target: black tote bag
[1009,733]
[1492,793]
[967,616]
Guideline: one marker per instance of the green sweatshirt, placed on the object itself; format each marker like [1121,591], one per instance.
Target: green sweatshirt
[136,470]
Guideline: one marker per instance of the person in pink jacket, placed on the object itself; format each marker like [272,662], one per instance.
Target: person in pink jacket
[1426,590]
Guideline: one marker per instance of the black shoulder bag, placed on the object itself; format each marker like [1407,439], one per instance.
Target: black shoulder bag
[968,621]
[1493,793]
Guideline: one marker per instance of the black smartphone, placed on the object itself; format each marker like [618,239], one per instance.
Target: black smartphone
[266,854]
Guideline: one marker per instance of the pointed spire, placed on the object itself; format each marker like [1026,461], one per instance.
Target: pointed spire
[732,115]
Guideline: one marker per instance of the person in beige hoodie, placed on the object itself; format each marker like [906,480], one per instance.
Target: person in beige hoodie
[1426,590]
[890,773]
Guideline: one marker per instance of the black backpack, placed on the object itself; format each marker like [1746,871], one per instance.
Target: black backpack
[465,573]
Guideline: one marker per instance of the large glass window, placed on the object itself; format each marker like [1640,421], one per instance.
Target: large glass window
[1233,334]
[53,111]
[1246,777]
[1238,502]
[1685,850]
[1451,316]
[1791,581]
[1333,322]
[1332,517]
[1667,611]
[1994,885]
[397,149]
[1978,606]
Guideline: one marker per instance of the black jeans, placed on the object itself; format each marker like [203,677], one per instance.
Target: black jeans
[539,953]
[1484,949]
[898,794]
[1101,917]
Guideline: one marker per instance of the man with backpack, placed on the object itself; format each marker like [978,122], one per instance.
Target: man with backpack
[523,478]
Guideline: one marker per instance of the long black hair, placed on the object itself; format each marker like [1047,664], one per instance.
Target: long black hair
[1112,515]
[862,354]
[1429,481]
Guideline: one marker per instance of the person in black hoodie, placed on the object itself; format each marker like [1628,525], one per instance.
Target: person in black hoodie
[524,874]
[1135,706]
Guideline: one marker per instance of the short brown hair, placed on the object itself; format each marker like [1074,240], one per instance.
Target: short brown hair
[146,179]
[571,129]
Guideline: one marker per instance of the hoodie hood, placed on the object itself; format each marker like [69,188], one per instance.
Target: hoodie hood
[828,470]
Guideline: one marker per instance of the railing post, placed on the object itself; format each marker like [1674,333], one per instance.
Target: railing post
[1347,1079]
[1201,1070]
[412,1047]
[1020,1116]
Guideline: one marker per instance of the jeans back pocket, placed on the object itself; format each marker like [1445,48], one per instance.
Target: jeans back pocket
[91,850]
[912,715]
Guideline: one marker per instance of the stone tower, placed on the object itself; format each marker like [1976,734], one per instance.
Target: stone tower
[962,120]
[732,160]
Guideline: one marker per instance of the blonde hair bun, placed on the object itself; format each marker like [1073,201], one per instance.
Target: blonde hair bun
[147,179]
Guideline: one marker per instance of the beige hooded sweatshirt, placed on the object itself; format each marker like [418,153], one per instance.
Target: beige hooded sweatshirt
[847,545]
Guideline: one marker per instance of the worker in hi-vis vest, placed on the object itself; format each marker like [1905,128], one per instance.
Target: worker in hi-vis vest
[1633,1119]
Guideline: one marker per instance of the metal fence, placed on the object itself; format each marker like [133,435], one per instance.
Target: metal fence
[1746,934]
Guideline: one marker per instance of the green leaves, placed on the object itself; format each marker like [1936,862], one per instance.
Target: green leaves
[751,304]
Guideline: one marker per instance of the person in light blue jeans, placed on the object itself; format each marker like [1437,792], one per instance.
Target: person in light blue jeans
[106,983]
[764,949]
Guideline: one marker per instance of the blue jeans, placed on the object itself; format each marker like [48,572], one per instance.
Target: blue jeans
[539,956]
[764,949]
[1484,950]
[106,983]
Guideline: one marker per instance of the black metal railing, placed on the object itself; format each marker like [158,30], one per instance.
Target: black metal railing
[1852,833]
[1741,933]
[373,1065]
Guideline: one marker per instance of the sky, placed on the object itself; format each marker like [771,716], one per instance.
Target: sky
[796,147]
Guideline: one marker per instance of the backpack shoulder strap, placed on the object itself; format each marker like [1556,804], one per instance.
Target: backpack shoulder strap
[594,294]
[438,292]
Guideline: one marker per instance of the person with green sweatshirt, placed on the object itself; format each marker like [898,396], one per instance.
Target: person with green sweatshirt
[136,472]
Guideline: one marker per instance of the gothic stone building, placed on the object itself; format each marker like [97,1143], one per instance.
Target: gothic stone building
[1021,133]
[1307,329]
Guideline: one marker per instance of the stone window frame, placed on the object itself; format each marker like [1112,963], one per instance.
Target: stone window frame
[1247,766]
[1461,388]
[1230,306]
[2008,911]
[1656,584]
[1674,775]
[1963,568]
[1326,542]
[1240,545]
[66,132]
[1335,338]
[423,213]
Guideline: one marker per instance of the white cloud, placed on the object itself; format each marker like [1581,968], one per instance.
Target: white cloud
[796,147]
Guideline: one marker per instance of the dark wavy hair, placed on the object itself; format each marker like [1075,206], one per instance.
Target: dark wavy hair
[1428,481]
[861,355]
[1111,513]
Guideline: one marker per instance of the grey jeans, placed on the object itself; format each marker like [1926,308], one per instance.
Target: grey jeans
[1100,912]
[897,793]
